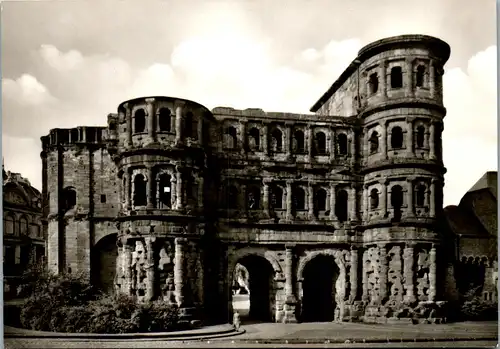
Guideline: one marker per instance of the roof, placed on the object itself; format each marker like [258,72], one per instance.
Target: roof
[463,222]
[487,181]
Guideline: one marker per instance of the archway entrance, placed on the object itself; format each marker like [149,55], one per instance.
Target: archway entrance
[318,286]
[252,289]
[104,255]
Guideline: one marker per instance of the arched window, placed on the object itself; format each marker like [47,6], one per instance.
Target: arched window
[277,197]
[9,225]
[164,120]
[188,125]
[140,197]
[253,197]
[165,191]
[230,140]
[276,140]
[420,76]
[298,142]
[320,143]
[342,144]
[420,136]
[396,137]
[299,198]
[320,199]
[397,201]
[396,77]
[373,142]
[69,198]
[23,226]
[373,83]
[374,199]
[437,142]
[139,121]
[341,200]
[420,195]
[254,139]
[232,197]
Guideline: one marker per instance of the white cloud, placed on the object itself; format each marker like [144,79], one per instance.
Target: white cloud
[26,90]
[59,60]
[22,155]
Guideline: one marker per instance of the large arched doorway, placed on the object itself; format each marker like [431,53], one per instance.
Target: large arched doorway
[104,256]
[318,286]
[253,295]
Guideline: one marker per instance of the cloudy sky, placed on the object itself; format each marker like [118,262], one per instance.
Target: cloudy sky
[69,63]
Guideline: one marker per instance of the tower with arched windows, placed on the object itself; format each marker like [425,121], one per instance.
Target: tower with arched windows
[170,198]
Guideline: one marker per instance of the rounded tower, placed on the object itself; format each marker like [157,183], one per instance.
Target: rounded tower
[159,147]
[401,113]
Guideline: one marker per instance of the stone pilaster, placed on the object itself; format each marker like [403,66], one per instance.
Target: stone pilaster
[150,109]
[265,196]
[383,273]
[243,136]
[290,301]
[150,269]
[409,76]
[150,189]
[200,130]
[409,139]
[128,120]
[366,200]
[411,202]
[353,275]
[432,201]
[432,79]
[288,140]
[265,138]
[352,145]
[127,269]
[366,264]
[383,78]
[408,273]
[383,139]
[383,198]
[432,138]
[332,145]
[173,190]
[432,273]
[178,125]
[126,174]
[179,195]
[179,271]
[332,201]
[201,191]
[309,146]
[352,203]
[310,201]
[289,197]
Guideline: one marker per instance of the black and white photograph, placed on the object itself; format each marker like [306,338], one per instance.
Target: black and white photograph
[249,173]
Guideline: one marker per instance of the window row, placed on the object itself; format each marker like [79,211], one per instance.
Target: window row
[164,122]
[277,141]
[20,227]
[278,197]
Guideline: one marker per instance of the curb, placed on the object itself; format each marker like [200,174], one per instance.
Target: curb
[367,341]
[177,335]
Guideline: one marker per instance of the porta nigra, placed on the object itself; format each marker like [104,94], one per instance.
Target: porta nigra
[334,213]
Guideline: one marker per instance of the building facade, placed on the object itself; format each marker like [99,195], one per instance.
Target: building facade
[333,214]
[23,233]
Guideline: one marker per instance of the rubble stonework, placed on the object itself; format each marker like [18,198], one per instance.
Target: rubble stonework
[182,194]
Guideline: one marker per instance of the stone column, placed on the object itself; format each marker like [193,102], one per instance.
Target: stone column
[366,210]
[265,138]
[409,139]
[365,297]
[288,140]
[353,274]
[383,273]
[432,273]
[149,189]
[128,120]
[309,135]
[173,190]
[201,191]
[178,125]
[408,273]
[150,269]
[432,79]
[179,271]
[200,130]
[243,136]
[265,196]
[432,201]
[126,174]
[243,197]
[383,78]
[151,119]
[290,301]
[432,145]
[383,198]
[353,147]
[332,201]
[310,201]
[289,200]
[179,195]
[383,138]
[127,269]
[409,75]
[352,203]
[411,203]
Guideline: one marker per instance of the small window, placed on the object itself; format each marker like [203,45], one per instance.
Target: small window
[69,198]
[254,139]
[373,83]
[188,125]
[253,198]
[9,225]
[420,195]
[230,139]
[320,143]
[276,197]
[420,76]
[397,201]
[23,226]
[299,199]
[139,121]
[232,197]
[396,137]
[276,140]
[140,197]
[342,144]
[396,77]
[321,200]
[165,191]
[164,120]
[298,142]
[374,199]
[373,142]
[103,198]
[341,205]
[420,136]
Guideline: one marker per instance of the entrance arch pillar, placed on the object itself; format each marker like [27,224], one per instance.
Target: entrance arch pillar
[290,299]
